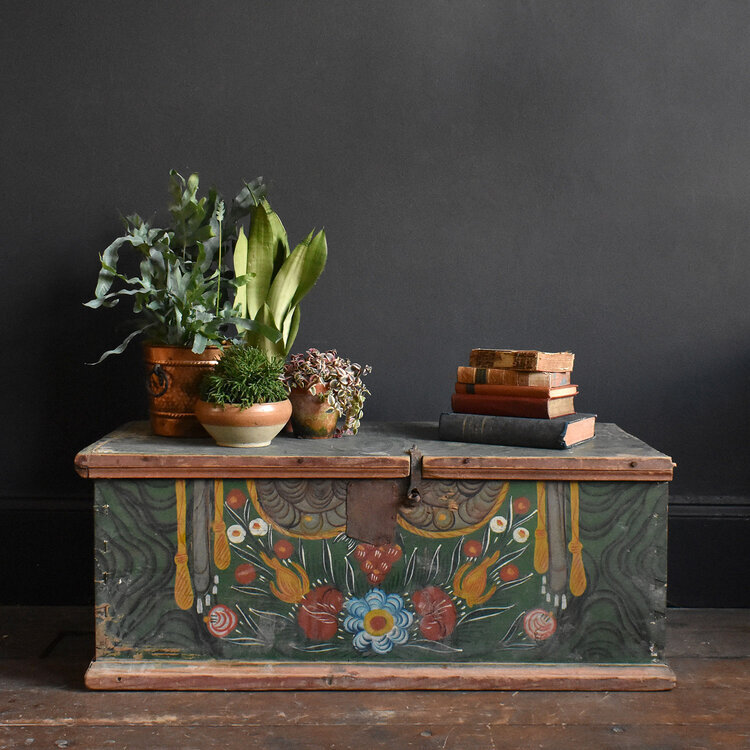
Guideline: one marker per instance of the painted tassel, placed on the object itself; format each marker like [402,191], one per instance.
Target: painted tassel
[541,546]
[222,555]
[577,571]
[183,590]
[251,491]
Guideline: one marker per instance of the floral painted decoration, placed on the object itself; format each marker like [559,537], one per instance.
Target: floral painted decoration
[473,548]
[438,613]
[318,613]
[291,584]
[221,621]
[245,573]
[539,624]
[258,527]
[376,562]
[378,621]
[470,583]
[498,524]
[521,535]
[236,499]
[236,534]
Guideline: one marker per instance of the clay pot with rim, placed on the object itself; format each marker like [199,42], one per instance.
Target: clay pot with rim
[173,376]
[312,417]
[235,427]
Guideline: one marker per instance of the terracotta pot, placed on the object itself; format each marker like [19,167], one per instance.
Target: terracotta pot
[173,376]
[311,417]
[236,427]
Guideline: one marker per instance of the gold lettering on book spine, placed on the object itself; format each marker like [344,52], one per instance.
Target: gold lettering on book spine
[525,361]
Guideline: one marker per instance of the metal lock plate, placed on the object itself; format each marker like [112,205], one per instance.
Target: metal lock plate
[372,504]
[371,510]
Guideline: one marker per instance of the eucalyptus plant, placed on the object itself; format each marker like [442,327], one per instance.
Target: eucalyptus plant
[180,294]
[333,379]
[271,280]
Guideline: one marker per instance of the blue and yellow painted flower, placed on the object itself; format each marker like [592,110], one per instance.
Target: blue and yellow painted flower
[378,621]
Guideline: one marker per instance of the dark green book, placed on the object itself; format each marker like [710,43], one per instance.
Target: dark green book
[557,433]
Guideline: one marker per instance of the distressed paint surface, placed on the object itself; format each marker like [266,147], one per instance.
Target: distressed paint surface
[481,571]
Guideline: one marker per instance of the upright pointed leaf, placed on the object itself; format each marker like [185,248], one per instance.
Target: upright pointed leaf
[296,277]
[239,262]
[286,328]
[317,254]
[290,333]
[282,241]
[261,243]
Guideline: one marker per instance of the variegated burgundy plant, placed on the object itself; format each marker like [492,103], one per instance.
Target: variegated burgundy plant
[333,379]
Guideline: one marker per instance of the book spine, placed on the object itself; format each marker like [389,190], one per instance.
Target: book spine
[522,360]
[493,430]
[508,406]
[516,391]
[513,360]
[498,376]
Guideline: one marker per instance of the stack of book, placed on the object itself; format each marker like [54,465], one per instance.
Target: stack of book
[516,397]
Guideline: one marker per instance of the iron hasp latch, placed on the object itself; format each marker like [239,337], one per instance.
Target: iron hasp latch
[372,505]
[371,510]
[414,493]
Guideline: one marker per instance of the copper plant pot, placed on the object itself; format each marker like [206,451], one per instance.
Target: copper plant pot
[173,376]
[311,417]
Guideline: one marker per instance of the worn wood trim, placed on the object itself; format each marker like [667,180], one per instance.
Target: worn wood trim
[615,468]
[379,452]
[117,674]
[139,466]
[550,475]
[144,466]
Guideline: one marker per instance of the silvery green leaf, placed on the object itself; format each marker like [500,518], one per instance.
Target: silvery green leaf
[200,342]
[120,349]
[254,326]
[240,281]
[248,197]
[111,299]
[109,260]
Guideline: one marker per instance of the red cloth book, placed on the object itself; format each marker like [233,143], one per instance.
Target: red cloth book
[512,406]
[522,391]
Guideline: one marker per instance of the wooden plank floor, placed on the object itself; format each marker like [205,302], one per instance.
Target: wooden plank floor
[44,652]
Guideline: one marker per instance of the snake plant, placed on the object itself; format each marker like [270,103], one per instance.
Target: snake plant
[271,280]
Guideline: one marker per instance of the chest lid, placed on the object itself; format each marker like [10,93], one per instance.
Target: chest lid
[379,450]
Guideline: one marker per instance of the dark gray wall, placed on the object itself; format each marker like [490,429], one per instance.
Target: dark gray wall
[556,175]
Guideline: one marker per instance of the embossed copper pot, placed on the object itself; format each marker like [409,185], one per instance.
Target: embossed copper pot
[173,376]
[311,417]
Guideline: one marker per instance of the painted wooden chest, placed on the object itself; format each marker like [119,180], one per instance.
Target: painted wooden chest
[386,560]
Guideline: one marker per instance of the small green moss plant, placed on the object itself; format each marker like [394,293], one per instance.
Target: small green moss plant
[244,376]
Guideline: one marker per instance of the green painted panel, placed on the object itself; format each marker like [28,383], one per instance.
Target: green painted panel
[464,580]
